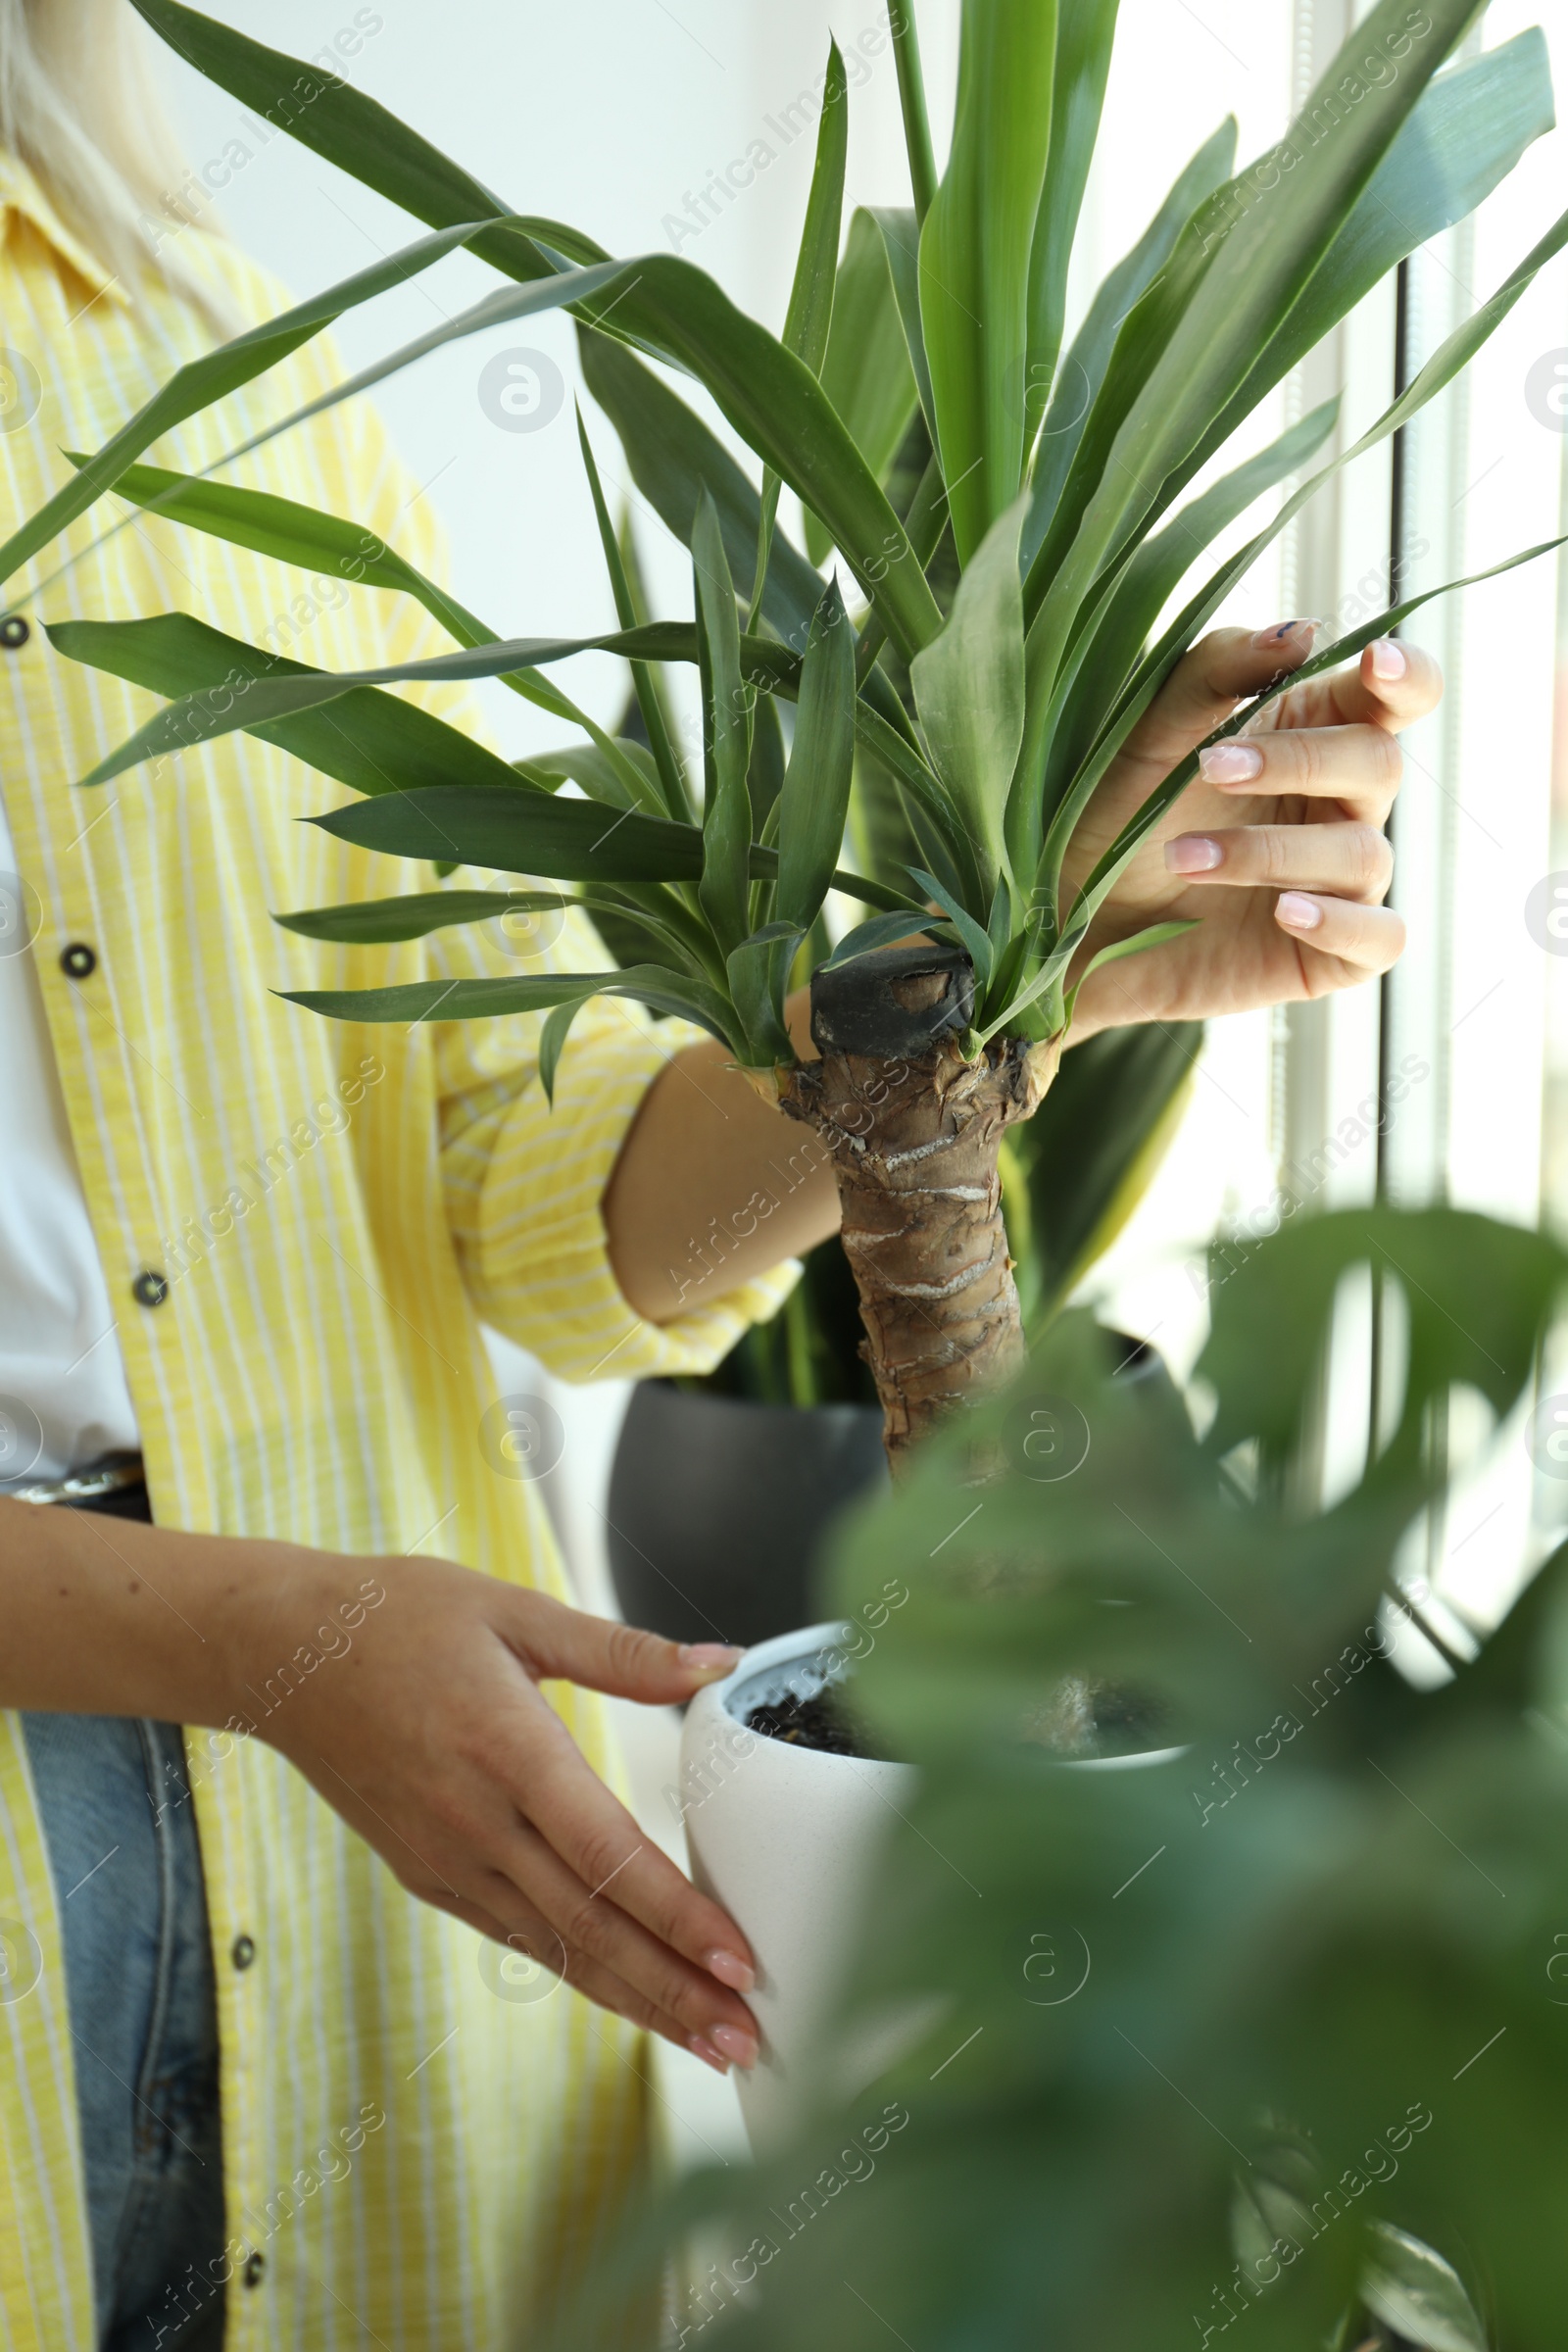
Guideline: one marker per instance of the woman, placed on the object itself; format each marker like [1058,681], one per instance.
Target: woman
[264,2052]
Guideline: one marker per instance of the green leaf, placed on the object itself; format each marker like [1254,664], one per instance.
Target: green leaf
[865,371]
[759,974]
[565,840]
[976,938]
[1076,390]
[900,247]
[552,1040]
[375,922]
[808,320]
[912,103]
[486,999]
[883,931]
[375,742]
[272,690]
[808,317]
[727,734]
[814,800]
[975,256]
[526,833]
[969,692]
[1085,33]
[216,374]
[1261,1371]
[1411,2289]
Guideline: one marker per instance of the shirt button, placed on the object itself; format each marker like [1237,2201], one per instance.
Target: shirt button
[14,631]
[150,1289]
[79,961]
[254,2269]
[242,1951]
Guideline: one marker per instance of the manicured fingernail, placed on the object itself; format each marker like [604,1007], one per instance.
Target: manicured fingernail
[1193,853]
[731,1969]
[1297,911]
[706,2051]
[1229,762]
[709,1657]
[1387,659]
[736,2045]
[1270,640]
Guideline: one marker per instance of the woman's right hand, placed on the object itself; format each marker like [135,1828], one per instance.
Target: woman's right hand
[417,1716]
[431,1737]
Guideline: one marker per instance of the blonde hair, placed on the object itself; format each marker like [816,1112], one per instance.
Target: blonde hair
[81,106]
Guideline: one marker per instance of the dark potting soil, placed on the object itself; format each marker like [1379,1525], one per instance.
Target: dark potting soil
[819,1723]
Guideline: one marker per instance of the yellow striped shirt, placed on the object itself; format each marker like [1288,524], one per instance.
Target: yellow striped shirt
[420,2160]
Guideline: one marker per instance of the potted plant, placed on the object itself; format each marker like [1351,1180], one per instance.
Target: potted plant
[1266,2038]
[1059,487]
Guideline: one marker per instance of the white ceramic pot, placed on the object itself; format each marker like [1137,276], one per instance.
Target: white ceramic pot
[786,1839]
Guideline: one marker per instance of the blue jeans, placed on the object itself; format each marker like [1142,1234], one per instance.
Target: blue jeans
[122,1837]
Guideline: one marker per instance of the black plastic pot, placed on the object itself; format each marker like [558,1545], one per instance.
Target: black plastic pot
[718,1506]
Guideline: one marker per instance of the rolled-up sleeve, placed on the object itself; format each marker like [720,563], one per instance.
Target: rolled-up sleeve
[525,1180]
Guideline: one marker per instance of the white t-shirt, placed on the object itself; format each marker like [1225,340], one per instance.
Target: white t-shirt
[61,1375]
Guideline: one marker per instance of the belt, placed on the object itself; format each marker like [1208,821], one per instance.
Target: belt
[117,1474]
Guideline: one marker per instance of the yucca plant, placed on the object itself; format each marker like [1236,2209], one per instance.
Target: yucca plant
[1044,501]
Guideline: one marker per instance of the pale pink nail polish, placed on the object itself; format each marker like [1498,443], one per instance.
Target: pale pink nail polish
[706,2051]
[707,1655]
[731,1969]
[1297,912]
[1229,762]
[736,2045]
[1387,659]
[1193,853]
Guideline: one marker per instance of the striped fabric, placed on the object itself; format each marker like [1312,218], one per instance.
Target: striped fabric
[419,2158]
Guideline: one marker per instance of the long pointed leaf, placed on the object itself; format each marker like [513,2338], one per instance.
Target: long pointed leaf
[726,733]
[372,741]
[974,257]
[485,1000]
[969,692]
[808,317]
[912,102]
[866,371]
[815,801]
[377,923]
[1085,33]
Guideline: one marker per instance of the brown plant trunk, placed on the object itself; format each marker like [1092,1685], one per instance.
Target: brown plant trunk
[915,1144]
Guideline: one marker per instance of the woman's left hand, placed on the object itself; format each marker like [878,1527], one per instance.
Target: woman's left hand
[1277,849]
